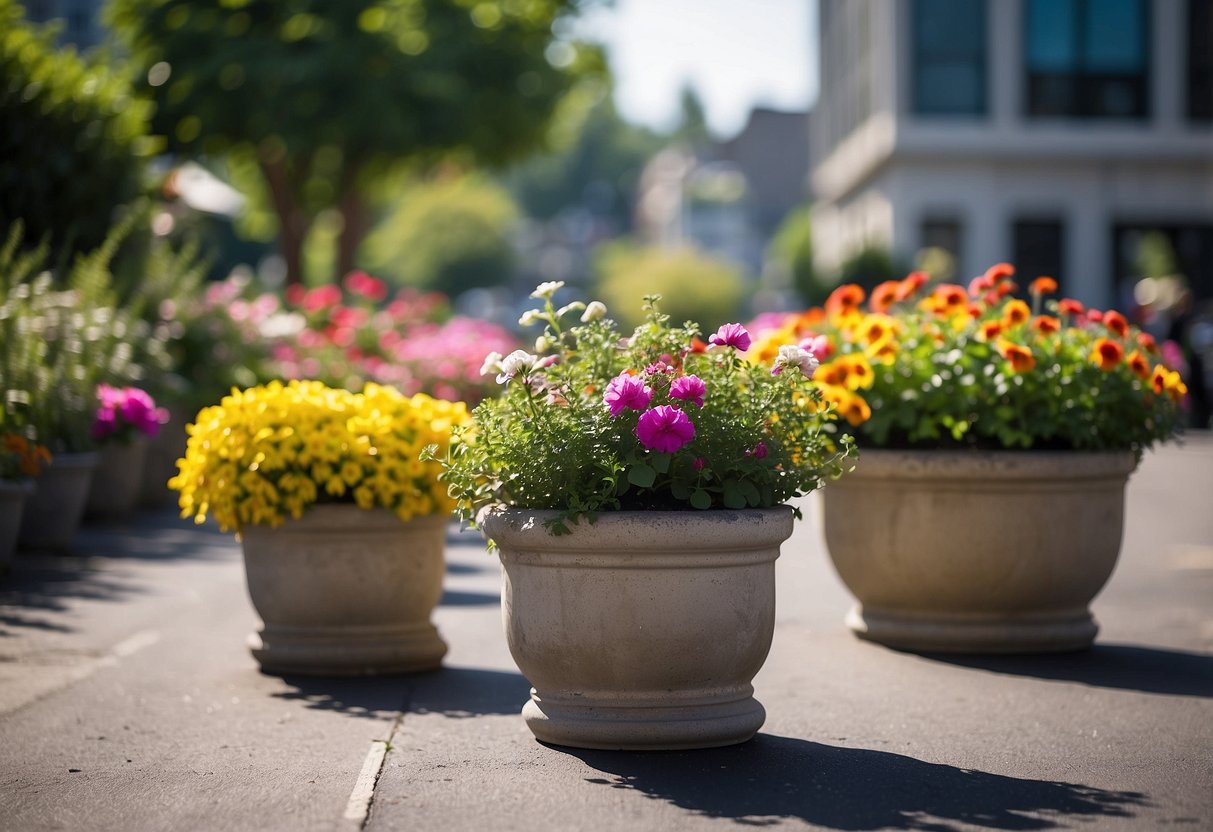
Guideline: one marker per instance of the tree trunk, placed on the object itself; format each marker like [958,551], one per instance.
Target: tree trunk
[355,219]
[293,221]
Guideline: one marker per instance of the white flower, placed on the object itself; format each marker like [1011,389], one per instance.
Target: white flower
[492,363]
[575,306]
[514,363]
[544,291]
[791,355]
[531,316]
[543,343]
[593,312]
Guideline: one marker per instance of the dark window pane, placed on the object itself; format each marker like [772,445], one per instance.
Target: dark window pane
[1200,60]
[949,57]
[1039,250]
[1113,38]
[1052,35]
[944,233]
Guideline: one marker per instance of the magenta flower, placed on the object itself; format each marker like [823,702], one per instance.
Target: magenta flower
[689,388]
[665,429]
[626,391]
[759,451]
[731,335]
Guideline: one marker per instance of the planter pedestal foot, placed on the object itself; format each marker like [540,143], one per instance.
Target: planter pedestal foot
[605,724]
[349,651]
[1055,632]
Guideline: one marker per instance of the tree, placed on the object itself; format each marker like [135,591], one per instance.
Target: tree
[73,145]
[693,123]
[331,97]
[792,248]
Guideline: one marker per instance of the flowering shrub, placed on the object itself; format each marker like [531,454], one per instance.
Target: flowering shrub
[943,366]
[269,452]
[124,412]
[658,420]
[21,458]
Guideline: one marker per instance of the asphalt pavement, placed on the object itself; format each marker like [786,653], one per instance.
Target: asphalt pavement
[129,701]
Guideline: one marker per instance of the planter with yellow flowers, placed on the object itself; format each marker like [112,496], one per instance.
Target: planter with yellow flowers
[342,525]
[996,436]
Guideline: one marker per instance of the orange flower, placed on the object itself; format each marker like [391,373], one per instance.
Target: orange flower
[1147,342]
[1138,364]
[885,295]
[1005,288]
[1116,322]
[1043,285]
[850,406]
[875,328]
[948,299]
[1106,353]
[698,345]
[858,371]
[910,284]
[1169,382]
[999,271]
[1015,313]
[831,373]
[990,330]
[1021,357]
[1046,324]
[844,300]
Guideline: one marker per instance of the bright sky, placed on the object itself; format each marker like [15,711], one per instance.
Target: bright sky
[736,53]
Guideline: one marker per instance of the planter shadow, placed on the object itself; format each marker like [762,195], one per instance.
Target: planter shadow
[37,592]
[458,693]
[1116,666]
[771,779]
[461,598]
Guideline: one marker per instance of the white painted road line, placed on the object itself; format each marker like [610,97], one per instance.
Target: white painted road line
[359,805]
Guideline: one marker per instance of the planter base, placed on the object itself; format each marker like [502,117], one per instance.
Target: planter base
[348,651]
[611,727]
[1060,632]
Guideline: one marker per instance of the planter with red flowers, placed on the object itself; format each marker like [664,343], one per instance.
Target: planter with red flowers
[996,436]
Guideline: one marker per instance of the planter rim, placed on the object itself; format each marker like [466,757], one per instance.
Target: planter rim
[74,459]
[22,486]
[640,532]
[979,464]
[345,518]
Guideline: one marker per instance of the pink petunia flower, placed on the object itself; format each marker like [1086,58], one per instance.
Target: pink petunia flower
[689,388]
[731,335]
[665,428]
[625,391]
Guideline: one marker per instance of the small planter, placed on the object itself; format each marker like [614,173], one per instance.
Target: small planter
[118,481]
[52,513]
[642,630]
[12,503]
[160,465]
[345,591]
[982,552]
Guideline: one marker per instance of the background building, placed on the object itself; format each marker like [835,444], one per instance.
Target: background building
[1055,134]
[81,19]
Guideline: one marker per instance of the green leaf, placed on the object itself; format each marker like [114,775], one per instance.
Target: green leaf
[660,463]
[700,499]
[642,475]
[680,490]
[734,497]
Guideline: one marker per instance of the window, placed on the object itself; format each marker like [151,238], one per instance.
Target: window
[943,233]
[1087,58]
[1200,60]
[1039,250]
[949,73]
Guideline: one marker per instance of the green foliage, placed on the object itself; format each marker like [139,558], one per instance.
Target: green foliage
[696,286]
[869,266]
[73,140]
[450,235]
[551,441]
[792,248]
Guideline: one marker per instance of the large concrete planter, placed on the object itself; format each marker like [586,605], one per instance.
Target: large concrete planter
[160,465]
[982,552]
[118,480]
[52,513]
[345,591]
[642,630]
[12,502]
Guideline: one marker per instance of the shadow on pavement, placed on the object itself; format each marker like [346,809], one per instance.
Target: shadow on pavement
[370,697]
[462,692]
[152,535]
[459,598]
[771,778]
[1119,666]
[43,585]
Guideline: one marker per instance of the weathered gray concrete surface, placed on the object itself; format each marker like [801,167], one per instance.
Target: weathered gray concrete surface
[128,665]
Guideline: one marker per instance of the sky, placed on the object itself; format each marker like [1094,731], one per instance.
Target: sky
[736,53]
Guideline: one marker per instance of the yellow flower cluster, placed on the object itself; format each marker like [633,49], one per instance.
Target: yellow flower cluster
[267,453]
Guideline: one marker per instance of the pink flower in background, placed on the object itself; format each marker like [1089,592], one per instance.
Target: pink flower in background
[818,345]
[122,410]
[689,388]
[664,428]
[322,297]
[731,335]
[626,391]
[365,286]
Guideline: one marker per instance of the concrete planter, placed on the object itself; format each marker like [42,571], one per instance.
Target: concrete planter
[160,466]
[346,592]
[12,503]
[118,480]
[643,630]
[52,513]
[982,552]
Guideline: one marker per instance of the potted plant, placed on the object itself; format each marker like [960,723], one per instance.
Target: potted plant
[636,490]
[125,419]
[342,525]
[996,435]
[20,460]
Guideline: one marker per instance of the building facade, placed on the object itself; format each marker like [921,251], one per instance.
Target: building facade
[1054,134]
[80,20]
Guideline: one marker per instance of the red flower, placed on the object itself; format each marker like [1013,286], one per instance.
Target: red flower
[1021,357]
[1043,286]
[910,284]
[1106,353]
[1069,306]
[885,295]
[1116,322]
[999,271]
[1046,324]
[844,300]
